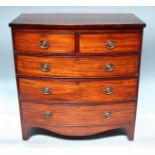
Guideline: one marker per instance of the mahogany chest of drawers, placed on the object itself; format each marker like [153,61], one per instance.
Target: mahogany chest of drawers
[77,74]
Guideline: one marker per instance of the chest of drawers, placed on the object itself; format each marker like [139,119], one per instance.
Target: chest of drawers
[77,74]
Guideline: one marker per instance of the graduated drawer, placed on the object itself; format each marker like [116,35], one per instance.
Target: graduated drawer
[78,67]
[38,42]
[110,42]
[64,115]
[76,91]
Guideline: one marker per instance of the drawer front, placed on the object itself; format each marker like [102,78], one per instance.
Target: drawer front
[107,43]
[63,115]
[78,67]
[43,42]
[76,91]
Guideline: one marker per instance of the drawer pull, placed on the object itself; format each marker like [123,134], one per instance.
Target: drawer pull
[45,67]
[44,44]
[110,44]
[46,91]
[47,114]
[107,114]
[108,91]
[109,67]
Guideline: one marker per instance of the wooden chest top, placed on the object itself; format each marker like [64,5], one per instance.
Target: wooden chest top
[77,21]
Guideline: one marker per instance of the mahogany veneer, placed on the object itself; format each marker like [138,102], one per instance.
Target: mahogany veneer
[77,74]
[57,42]
[78,67]
[76,91]
[90,43]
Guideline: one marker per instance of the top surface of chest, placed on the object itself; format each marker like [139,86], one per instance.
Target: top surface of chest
[78,21]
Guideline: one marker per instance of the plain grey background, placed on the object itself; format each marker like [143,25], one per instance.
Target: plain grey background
[8,94]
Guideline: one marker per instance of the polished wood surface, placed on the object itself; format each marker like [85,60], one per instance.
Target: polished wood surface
[96,43]
[77,67]
[77,21]
[30,42]
[77,91]
[74,130]
[62,82]
[78,115]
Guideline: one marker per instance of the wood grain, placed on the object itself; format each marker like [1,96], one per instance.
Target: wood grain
[76,91]
[77,67]
[78,115]
[96,43]
[30,42]
[74,130]
[77,21]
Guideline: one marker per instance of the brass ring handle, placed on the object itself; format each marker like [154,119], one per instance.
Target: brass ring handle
[109,67]
[47,114]
[46,91]
[107,114]
[108,91]
[110,44]
[43,44]
[45,67]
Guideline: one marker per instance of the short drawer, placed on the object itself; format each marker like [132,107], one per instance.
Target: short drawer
[110,42]
[78,67]
[43,42]
[64,115]
[76,91]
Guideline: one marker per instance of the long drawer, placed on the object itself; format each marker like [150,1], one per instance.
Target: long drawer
[78,67]
[63,115]
[76,91]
